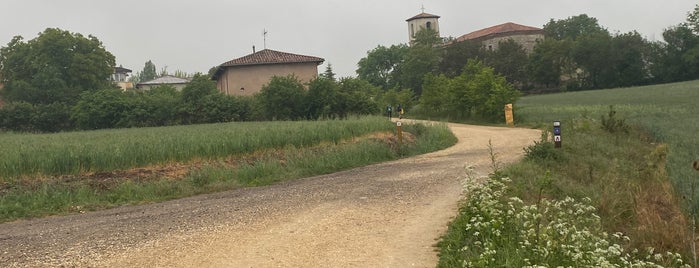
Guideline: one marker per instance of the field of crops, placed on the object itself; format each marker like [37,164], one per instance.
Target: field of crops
[107,150]
[669,112]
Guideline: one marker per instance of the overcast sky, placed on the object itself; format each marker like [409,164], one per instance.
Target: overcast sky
[195,35]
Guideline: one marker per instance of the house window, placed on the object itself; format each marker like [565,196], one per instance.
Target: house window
[412,30]
[490,47]
[429,25]
[242,89]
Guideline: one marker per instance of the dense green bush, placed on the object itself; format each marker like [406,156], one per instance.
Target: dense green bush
[26,117]
[284,98]
[477,93]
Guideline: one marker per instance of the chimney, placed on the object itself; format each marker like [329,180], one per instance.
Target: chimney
[253,49]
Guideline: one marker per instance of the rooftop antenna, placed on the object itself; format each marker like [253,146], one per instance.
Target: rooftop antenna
[264,37]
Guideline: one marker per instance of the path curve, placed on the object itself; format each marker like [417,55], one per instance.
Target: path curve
[384,215]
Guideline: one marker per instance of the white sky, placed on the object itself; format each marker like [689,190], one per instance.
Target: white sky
[195,35]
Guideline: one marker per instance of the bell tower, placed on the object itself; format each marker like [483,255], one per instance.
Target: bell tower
[422,21]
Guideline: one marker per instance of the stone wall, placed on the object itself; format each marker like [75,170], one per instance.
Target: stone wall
[527,41]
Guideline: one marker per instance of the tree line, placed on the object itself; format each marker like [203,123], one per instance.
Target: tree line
[59,81]
[576,54]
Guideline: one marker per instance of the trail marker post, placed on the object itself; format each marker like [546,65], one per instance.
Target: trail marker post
[557,134]
[399,131]
[509,116]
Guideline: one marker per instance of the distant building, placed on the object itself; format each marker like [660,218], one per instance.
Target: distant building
[490,37]
[422,21]
[167,80]
[526,36]
[248,74]
[120,77]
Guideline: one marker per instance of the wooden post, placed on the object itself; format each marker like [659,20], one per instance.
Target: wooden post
[509,116]
[399,131]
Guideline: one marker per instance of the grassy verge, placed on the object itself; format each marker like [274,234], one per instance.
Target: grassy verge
[668,112]
[603,200]
[273,163]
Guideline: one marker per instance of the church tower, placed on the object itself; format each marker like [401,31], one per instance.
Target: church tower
[422,21]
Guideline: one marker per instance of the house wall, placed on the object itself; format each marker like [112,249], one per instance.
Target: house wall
[125,85]
[527,41]
[248,80]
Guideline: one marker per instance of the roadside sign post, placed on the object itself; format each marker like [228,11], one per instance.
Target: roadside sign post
[399,131]
[557,134]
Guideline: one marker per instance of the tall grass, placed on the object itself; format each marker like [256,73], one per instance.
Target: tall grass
[561,205]
[107,150]
[263,167]
[670,112]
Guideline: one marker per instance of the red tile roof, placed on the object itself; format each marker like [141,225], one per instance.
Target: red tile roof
[422,15]
[505,28]
[268,56]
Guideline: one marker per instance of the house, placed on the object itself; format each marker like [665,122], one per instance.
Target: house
[247,75]
[167,80]
[490,37]
[120,78]
[526,36]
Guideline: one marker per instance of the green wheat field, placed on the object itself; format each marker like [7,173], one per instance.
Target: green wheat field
[669,112]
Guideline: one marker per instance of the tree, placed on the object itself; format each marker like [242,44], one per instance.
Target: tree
[56,66]
[159,106]
[323,99]
[678,58]
[456,55]
[631,55]
[329,74]
[478,92]
[422,58]
[379,66]
[573,27]
[592,53]
[693,20]
[100,109]
[357,97]
[436,99]
[509,60]
[550,61]
[283,98]
[195,95]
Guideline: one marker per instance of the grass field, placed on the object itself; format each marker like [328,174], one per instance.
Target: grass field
[602,200]
[107,150]
[48,174]
[670,112]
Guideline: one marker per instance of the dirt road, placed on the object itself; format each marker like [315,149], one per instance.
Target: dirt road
[385,215]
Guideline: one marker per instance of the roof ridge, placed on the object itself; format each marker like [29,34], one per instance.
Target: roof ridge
[422,15]
[269,56]
[497,29]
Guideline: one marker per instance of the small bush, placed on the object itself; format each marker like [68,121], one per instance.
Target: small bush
[542,150]
[613,124]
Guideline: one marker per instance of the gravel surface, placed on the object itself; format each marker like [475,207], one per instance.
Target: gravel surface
[384,215]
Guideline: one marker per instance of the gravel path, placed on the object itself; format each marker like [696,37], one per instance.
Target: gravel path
[384,215]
